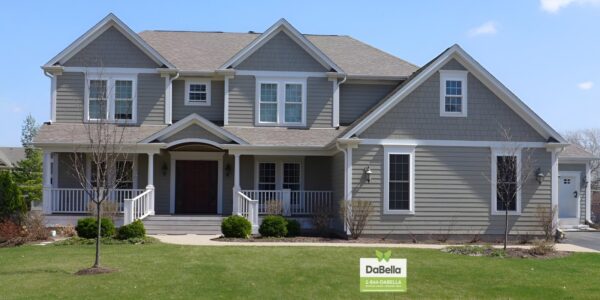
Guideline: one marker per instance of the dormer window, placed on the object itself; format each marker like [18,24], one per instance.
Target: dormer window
[197,92]
[453,93]
[281,102]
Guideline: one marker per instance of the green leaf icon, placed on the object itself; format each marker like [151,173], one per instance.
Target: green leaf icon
[379,255]
[387,255]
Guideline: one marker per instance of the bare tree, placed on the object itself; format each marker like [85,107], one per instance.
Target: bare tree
[588,139]
[513,170]
[104,145]
[356,215]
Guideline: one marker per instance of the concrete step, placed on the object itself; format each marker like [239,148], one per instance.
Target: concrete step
[183,224]
[185,218]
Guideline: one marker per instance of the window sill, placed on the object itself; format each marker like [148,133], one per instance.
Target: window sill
[398,212]
[453,115]
[502,213]
[196,104]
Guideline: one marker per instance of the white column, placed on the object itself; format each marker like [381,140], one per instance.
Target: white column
[168,99]
[287,202]
[588,192]
[226,101]
[150,185]
[554,174]
[348,194]
[236,184]
[46,171]
[336,104]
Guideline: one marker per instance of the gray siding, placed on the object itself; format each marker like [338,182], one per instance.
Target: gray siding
[151,99]
[319,105]
[194,131]
[241,101]
[356,99]
[281,53]
[337,187]
[70,89]
[162,183]
[111,49]
[66,174]
[316,177]
[214,112]
[418,117]
[452,193]
[582,190]
[247,172]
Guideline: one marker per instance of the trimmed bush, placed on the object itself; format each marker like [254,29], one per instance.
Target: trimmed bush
[293,228]
[236,227]
[273,226]
[133,230]
[88,228]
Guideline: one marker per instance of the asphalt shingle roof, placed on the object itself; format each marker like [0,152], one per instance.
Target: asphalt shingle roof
[9,156]
[576,151]
[78,133]
[277,136]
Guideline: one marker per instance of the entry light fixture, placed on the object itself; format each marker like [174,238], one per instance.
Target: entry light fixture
[368,173]
[539,176]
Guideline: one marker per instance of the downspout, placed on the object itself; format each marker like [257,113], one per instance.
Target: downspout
[346,183]
[337,101]
[170,108]
[52,95]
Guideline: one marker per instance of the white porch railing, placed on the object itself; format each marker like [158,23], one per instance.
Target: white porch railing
[292,202]
[248,208]
[72,200]
[139,207]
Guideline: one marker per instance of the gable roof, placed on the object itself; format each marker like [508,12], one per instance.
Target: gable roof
[456,52]
[281,26]
[194,119]
[10,156]
[576,152]
[109,21]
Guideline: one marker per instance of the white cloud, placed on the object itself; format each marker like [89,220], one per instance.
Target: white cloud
[586,85]
[553,6]
[487,28]
[17,109]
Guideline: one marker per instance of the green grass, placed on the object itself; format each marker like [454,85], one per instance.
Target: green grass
[161,271]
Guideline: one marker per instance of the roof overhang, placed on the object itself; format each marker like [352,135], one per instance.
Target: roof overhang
[86,148]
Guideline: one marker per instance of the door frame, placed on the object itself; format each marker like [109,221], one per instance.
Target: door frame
[214,156]
[577,176]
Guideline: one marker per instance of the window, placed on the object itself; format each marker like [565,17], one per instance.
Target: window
[96,173]
[399,180]
[281,102]
[291,176]
[111,97]
[266,176]
[505,182]
[453,93]
[197,92]
[124,174]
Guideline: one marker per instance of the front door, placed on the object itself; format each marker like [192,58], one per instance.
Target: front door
[196,183]
[568,198]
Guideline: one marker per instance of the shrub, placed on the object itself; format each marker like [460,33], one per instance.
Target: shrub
[293,228]
[67,230]
[133,230]
[321,219]
[542,247]
[35,227]
[88,228]
[236,227]
[9,230]
[545,216]
[273,226]
[274,207]
[12,204]
[355,214]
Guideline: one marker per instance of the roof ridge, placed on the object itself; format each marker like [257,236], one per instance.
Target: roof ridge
[232,32]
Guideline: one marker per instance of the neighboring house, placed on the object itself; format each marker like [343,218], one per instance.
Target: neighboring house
[10,156]
[222,123]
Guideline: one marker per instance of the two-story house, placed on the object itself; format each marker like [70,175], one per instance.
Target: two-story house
[219,123]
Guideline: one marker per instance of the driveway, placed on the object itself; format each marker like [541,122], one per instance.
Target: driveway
[588,239]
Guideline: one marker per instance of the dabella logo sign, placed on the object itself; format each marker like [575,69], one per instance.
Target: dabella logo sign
[383,274]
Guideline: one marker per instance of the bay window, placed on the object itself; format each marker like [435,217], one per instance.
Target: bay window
[281,102]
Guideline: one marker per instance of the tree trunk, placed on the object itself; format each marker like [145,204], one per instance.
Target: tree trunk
[99,220]
[505,226]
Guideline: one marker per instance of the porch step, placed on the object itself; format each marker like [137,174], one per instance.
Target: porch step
[183,224]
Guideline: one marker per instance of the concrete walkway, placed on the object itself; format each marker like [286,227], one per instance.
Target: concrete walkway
[206,240]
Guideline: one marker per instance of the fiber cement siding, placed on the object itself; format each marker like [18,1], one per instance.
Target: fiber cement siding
[452,193]
[151,99]
[111,49]
[70,89]
[319,111]
[418,117]
[281,53]
[356,99]
[66,174]
[241,101]
[213,112]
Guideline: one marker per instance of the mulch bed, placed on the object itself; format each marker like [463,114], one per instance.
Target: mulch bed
[523,253]
[95,271]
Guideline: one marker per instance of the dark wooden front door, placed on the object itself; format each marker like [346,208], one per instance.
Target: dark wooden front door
[196,185]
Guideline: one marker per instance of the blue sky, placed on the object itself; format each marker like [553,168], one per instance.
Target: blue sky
[545,51]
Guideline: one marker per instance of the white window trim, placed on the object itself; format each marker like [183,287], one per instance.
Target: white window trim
[110,101]
[494,177]
[281,82]
[189,82]
[457,75]
[388,150]
[278,170]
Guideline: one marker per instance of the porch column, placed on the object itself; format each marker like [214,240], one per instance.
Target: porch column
[588,192]
[236,184]
[554,174]
[47,193]
[150,185]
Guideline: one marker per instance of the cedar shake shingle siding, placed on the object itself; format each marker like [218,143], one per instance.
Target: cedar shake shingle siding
[70,89]
[418,117]
[281,53]
[356,99]
[213,112]
[111,49]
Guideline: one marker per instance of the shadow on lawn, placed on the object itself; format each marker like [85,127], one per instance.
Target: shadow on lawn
[35,271]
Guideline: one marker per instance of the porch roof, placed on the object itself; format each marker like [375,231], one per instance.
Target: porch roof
[576,152]
[77,133]
[291,137]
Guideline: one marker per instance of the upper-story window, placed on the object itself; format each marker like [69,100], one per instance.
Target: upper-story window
[197,92]
[111,97]
[453,93]
[281,102]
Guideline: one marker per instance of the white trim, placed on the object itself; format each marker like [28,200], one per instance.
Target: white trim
[281,83]
[336,104]
[110,96]
[226,101]
[193,140]
[452,143]
[55,164]
[194,119]
[455,75]
[494,178]
[389,150]
[218,156]
[188,83]
[97,30]
[110,70]
[554,173]
[281,25]
[479,72]
[168,100]
[287,74]
[577,175]
[278,161]
[53,84]
[588,192]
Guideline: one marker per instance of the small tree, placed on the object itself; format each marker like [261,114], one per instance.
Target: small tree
[356,214]
[28,172]
[12,205]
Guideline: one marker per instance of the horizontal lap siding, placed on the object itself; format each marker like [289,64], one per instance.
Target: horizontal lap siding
[151,99]
[356,99]
[452,193]
[241,101]
[213,112]
[70,89]
[319,102]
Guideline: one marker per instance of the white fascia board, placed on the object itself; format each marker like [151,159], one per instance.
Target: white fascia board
[194,119]
[85,148]
[452,143]
[99,28]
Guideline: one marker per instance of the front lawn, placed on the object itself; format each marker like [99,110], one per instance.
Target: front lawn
[160,271]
